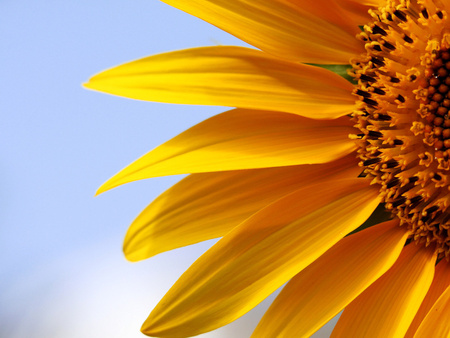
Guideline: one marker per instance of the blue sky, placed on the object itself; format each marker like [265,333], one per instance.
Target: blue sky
[62,270]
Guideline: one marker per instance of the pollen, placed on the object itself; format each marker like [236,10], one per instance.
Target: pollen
[403,90]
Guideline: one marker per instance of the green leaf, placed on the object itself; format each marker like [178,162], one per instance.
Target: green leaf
[339,70]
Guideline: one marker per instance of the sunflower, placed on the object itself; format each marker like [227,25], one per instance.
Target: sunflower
[342,119]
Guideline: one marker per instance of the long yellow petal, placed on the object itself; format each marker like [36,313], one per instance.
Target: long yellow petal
[325,287]
[388,306]
[243,139]
[260,255]
[437,323]
[206,206]
[302,30]
[232,77]
[440,282]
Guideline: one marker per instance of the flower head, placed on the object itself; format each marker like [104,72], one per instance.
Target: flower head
[288,177]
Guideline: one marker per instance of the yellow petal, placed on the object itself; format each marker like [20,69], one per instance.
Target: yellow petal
[388,306]
[206,206]
[302,30]
[440,282]
[357,11]
[339,275]
[233,77]
[372,3]
[260,255]
[243,139]
[437,323]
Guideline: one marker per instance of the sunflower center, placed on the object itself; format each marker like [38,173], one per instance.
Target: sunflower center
[403,114]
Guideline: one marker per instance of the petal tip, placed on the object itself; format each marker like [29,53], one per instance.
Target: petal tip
[149,329]
[93,84]
[131,258]
[104,187]
[87,85]
[130,254]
